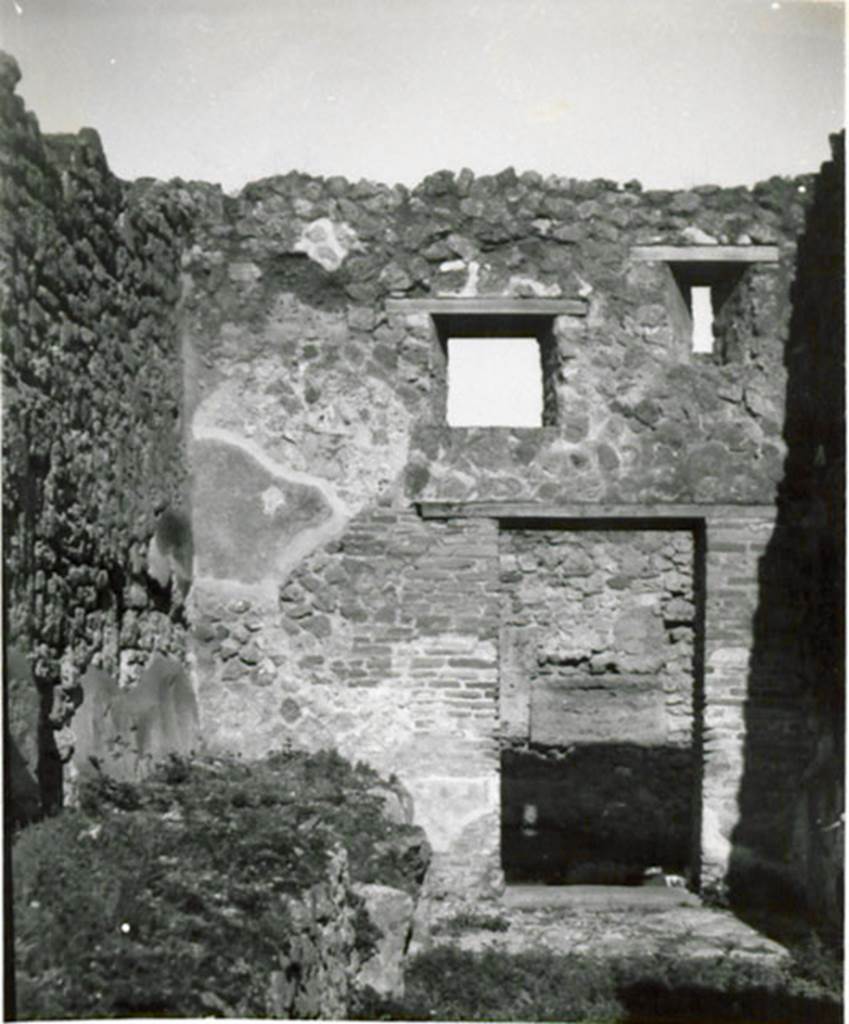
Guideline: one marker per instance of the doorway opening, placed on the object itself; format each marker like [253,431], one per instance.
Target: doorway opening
[600,701]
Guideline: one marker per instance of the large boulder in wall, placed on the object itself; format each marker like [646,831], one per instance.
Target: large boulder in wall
[391,911]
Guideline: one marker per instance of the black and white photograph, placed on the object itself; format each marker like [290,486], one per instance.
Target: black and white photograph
[423,510]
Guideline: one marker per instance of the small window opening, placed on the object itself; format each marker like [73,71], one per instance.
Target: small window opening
[701,310]
[498,370]
[699,300]
[494,382]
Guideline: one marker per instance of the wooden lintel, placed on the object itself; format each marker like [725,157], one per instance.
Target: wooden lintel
[706,253]
[580,510]
[482,305]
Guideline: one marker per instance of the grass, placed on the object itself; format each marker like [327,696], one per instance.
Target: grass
[445,983]
[470,921]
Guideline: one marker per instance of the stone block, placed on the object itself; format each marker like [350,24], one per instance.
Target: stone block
[391,911]
[563,715]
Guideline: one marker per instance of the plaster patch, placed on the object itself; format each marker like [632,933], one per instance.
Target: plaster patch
[584,287]
[697,236]
[716,847]
[272,499]
[729,657]
[327,243]
[471,285]
[243,533]
[446,806]
[527,286]
[325,444]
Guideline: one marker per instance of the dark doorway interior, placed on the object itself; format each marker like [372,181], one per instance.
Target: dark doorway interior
[599,814]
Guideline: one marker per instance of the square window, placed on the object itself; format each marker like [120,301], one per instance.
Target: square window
[494,382]
[499,370]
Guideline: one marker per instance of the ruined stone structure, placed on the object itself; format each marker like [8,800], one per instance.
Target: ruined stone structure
[603,643]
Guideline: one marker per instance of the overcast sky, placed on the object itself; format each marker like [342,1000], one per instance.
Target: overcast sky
[672,92]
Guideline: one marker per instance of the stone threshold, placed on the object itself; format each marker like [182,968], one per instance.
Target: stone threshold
[610,922]
[428,509]
[597,897]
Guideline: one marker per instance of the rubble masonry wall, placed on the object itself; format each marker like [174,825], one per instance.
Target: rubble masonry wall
[92,436]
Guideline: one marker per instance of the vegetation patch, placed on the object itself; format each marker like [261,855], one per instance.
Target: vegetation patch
[167,897]
[445,983]
[471,921]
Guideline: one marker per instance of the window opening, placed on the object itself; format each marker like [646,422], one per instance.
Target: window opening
[701,310]
[700,292]
[723,272]
[494,382]
[499,370]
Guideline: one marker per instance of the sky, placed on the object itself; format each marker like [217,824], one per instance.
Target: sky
[496,392]
[671,92]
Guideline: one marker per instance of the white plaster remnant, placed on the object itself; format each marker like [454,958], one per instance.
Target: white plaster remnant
[698,237]
[472,276]
[729,657]
[327,243]
[473,270]
[526,286]
[245,272]
[584,287]
[444,806]
[272,499]
[471,285]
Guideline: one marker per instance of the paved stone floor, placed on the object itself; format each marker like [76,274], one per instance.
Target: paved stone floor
[615,921]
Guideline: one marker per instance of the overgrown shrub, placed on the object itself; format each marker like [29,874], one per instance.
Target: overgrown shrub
[164,897]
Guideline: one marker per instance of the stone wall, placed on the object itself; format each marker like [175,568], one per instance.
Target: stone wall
[377,646]
[314,320]
[343,382]
[92,429]
[597,636]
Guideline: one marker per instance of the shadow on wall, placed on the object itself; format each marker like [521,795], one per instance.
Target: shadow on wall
[124,732]
[788,845]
